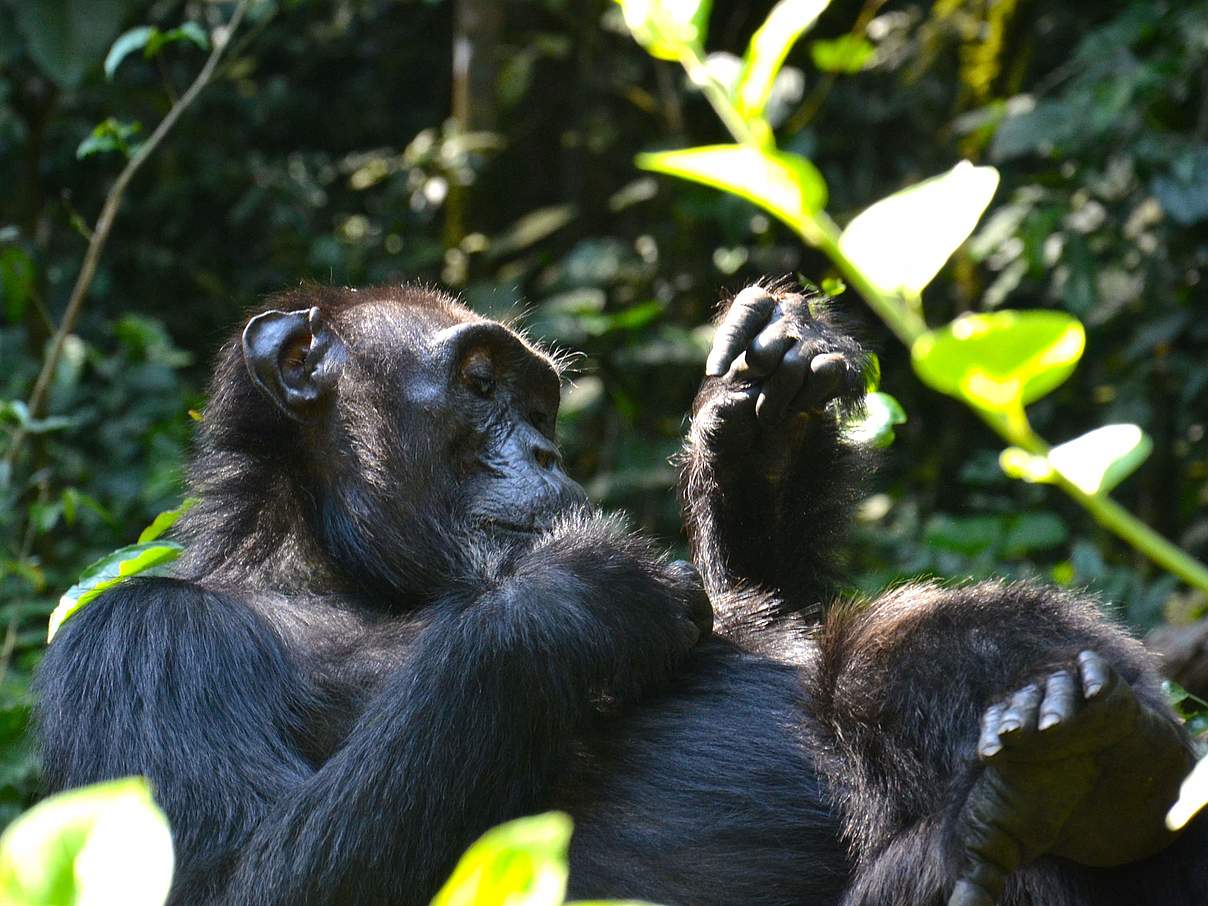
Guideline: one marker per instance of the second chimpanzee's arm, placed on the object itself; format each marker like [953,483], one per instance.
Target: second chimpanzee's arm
[997,739]
[767,482]
[196,693]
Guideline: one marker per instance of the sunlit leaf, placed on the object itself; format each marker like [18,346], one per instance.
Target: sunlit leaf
[521,863]
[667,28]
[881,413]
[901,242]
[107,572]
[127,43]
[769,47]
[166,520]
[787,185]
[190,32]
[845,54]
[1030,467]
[1193,796]
[110,135]
[1100,459]
[94,846]
[1000,361]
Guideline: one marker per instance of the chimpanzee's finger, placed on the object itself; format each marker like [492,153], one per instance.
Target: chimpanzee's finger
[827,380]
[1095,672]
[748,315]
[768,348]
[1060,700]
[1021,715]
[988,743]
[780,389]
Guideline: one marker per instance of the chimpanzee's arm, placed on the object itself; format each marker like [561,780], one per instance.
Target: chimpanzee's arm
[970,732]
[767,482]
[193,689]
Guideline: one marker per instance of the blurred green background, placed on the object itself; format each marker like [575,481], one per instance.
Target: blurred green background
[338,143]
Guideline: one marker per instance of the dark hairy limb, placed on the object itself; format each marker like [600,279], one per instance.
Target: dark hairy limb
[912,689]
[767,481]
[195,690]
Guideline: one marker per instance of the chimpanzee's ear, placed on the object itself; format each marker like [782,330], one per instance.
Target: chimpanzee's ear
[294,358]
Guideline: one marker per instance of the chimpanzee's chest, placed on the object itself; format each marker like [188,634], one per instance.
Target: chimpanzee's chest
[706,793]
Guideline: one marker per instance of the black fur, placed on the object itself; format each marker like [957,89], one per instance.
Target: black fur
[351,678]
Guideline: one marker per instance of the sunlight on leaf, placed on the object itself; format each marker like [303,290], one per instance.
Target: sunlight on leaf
[98,845]
[901,242]
[1193,796]
[881,413]
[787,185]
[845,54]
[1000,361]
[769,47]
[110,570]
[521,863]
[667,28]
[166,520]
[129,42]
[1030,467]
[1099,460]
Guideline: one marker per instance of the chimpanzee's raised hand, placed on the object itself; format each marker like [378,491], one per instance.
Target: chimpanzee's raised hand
[781,352]
[1075,766]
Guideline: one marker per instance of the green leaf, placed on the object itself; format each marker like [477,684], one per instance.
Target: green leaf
[845,54]
[1001,361]
[16,282]
[1030,467]
[107,843]
[107,572]
[881,413]
[133,40]
[901,242]
[787,185]
[667,28]
[769,47]
[190,32]
[111,135]
[521,863]
[1100,459]
[66,38]
[166,520]
[1193,796]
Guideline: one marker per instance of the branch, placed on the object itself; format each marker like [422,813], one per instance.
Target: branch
[100,234]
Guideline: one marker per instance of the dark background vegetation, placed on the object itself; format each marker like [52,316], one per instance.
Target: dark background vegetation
[329,148]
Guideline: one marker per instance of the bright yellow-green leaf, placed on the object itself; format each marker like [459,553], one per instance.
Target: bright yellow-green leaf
[846,53]
[1099,460]
[1029,467]
[521,863]
[107,572]
[166,520]
[901,242]
[667,28]
[769,46]
[881,413]
[1193,796]
[1000,361]
[787,185]
[94,846]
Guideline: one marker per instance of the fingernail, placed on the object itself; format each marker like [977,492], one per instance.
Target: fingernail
[991,750]
[1049,720]
[1008,727]
[1093,689]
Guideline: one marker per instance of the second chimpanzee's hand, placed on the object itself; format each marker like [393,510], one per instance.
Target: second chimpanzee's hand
[783,356]
[1075,766]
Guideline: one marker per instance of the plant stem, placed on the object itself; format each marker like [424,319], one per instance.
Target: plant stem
[908,325]
[104,224]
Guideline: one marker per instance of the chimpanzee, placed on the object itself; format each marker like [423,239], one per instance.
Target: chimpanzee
[399,623]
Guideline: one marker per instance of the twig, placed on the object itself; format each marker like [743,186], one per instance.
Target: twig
[104,224]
